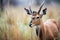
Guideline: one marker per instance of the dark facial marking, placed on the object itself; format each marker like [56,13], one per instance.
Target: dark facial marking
[30,23]
[34,13]
[33,18]
[37,17]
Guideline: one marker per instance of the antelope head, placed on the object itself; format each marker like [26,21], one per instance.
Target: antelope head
[36,16]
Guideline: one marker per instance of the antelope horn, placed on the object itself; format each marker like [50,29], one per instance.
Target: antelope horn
[30,9]
[41,6]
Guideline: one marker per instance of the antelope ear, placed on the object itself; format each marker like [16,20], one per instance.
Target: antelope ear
[28,12]
[44,11]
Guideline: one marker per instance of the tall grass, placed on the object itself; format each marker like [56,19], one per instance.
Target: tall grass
[14,23]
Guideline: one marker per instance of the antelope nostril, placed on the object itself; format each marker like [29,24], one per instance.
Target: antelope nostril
[30,25]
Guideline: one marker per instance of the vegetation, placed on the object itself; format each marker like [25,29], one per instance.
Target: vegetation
[14,23]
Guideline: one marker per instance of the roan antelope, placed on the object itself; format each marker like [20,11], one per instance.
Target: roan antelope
[45,30]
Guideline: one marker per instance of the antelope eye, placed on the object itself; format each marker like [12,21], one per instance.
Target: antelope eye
[33,18]
[37,18]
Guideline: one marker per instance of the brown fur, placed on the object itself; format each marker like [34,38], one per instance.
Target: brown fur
[51,29]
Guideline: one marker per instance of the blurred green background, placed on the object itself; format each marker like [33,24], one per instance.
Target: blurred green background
[14,21]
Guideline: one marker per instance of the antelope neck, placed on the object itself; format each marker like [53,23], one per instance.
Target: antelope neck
[41,23]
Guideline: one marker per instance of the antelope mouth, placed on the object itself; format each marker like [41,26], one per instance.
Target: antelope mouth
[31,25]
